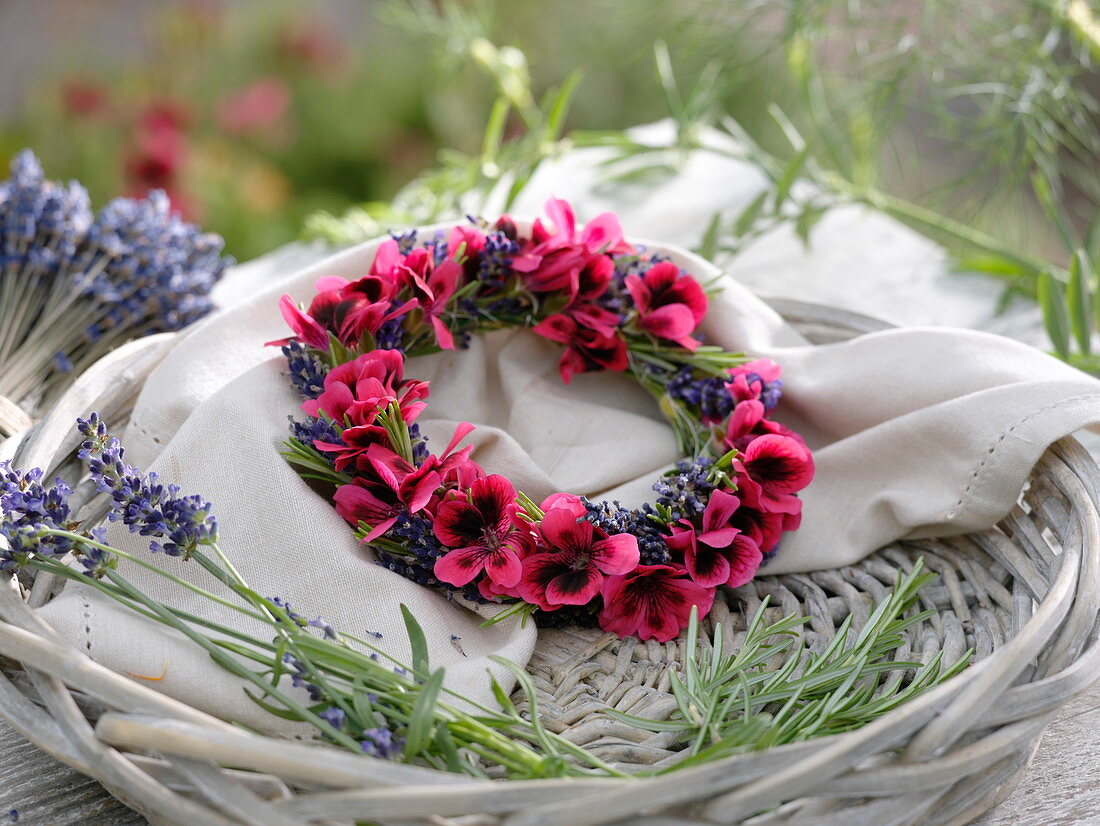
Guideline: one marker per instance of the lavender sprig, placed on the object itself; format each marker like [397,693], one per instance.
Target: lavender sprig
[140,501]
[28,510]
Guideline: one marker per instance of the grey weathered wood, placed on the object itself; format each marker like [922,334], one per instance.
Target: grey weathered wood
[45,792]
[1063,783]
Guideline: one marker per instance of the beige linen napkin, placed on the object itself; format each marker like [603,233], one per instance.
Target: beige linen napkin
[916,431]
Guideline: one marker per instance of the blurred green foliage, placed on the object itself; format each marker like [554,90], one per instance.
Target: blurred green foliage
[253,116]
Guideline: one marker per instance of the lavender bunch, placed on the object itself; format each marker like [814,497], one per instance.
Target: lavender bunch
[74,284]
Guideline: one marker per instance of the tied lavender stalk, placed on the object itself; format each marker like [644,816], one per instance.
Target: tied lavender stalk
[74,284]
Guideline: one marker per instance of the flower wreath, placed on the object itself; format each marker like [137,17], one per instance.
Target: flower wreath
[441,520]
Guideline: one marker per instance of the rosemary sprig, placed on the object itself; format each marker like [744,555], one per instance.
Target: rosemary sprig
[729,703]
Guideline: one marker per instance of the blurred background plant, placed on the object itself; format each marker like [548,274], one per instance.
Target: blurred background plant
[974,123]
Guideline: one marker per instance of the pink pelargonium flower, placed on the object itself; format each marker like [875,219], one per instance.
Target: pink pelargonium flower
[577,556]
[760,526]
[485,532]
[432,285]
[357,390]
[464,244]
[591,337]
[347,310]
[364,306]
[759,379]
[670,303]
[717,553]
[771,470]
[376,501]
[559,259]
[459,471]
[307,329]
[652,602]
[387,258]
[748,421]
[355,393]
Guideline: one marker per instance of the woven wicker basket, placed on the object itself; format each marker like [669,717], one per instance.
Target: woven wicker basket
[1025,596]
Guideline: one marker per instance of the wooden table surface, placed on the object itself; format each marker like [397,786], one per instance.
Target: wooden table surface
[1061,787]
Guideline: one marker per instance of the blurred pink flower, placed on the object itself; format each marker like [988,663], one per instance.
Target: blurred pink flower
[255,107]
[313,44]
[84,98]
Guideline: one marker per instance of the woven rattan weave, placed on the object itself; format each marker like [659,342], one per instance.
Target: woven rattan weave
[1025,596]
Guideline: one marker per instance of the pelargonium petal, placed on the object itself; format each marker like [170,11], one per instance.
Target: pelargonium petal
[673,322]
[560,212]
[708,567]
[563,529]
[602,233]
[443,336]
[461,566]
[459,524]
[778,463]
[720,508]
[568,501]
[492,496]
[503,566]
[577,587]
[387,257]
[538,571]
[304,326]
[652,602]
[744,561]
[617,554]
[416,493]
[559,328]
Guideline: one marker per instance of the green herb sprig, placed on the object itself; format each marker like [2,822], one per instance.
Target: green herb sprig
[731,702]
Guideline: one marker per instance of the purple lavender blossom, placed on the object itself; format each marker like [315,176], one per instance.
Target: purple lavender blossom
[27,510]
[391,335]
[708,394]
[334,716]
[686,490]
[140,501]
[327,629]
[419,443]
[293,615]
[156,270]
[380,742]
[416,535]
[406,241]
[88,282]
[612,518]
[307,371]
[495,260]
[299,678]
[314,430]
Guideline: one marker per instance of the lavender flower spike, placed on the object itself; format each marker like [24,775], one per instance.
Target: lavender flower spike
[27,510]
[140,501]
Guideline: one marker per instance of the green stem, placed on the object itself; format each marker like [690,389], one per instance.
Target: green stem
[229,663]
[925,219]
[202,592]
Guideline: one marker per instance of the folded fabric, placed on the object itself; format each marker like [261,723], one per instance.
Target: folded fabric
[916,432]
